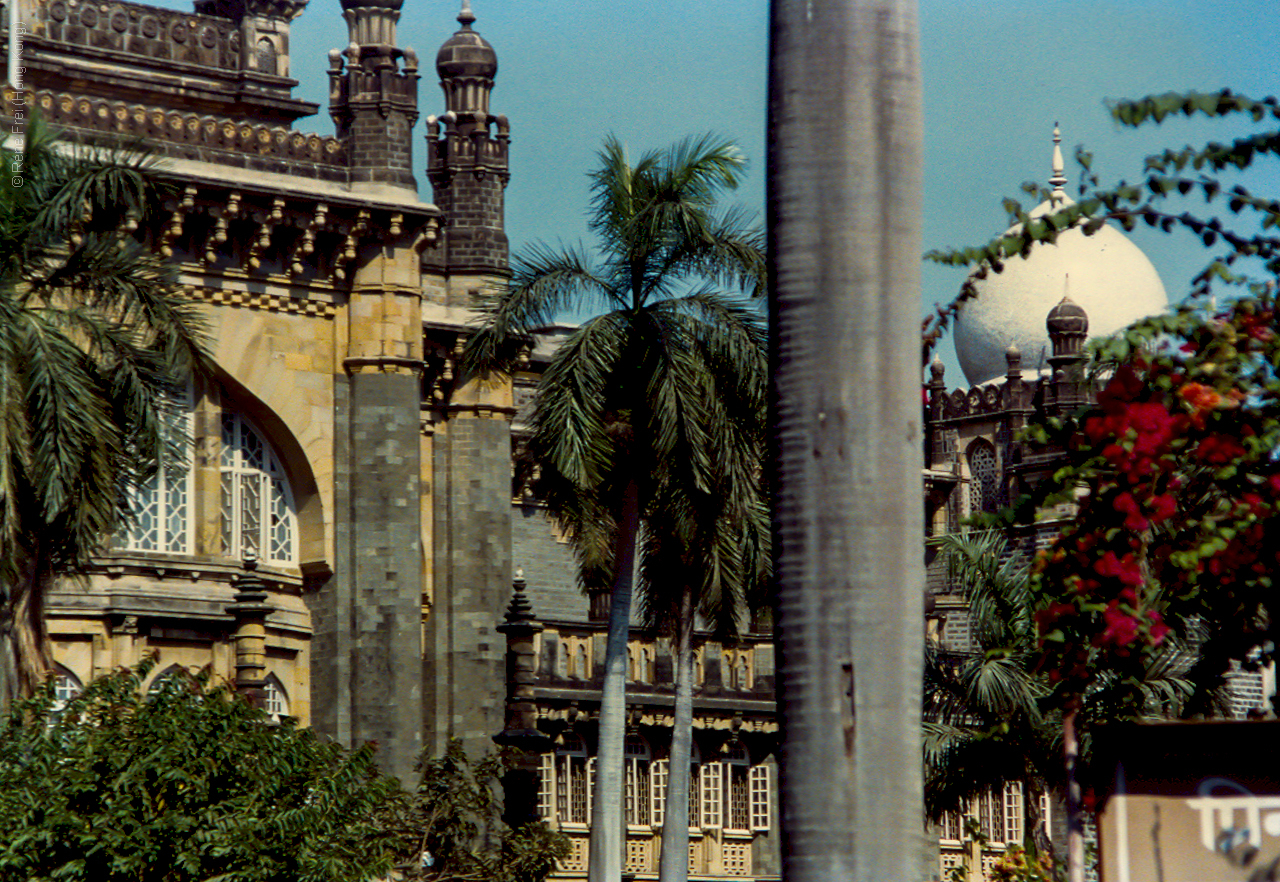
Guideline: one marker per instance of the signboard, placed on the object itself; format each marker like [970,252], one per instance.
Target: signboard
[1189,802]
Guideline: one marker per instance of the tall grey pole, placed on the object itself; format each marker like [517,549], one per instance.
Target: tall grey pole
[845,243]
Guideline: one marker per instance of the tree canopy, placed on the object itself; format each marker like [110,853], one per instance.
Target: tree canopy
[188,781]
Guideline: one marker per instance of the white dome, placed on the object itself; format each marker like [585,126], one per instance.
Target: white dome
[1105,273]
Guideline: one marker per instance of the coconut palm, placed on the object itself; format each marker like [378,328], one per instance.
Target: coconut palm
[635,398]
[983,723]
[92,335]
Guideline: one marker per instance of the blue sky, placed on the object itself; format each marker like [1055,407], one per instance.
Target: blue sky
[997,75]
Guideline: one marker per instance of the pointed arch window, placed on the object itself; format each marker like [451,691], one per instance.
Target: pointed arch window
[66,686]
[737,787]
[984,486]
[637,760]
[573,773]
[257,510]
[275,701]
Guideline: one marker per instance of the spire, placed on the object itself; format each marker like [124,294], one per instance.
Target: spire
[1058,178]
[466,16]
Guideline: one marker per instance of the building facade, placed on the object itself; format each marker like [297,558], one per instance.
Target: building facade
[342,536]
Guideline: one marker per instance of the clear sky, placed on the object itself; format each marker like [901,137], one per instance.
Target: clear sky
[997,75]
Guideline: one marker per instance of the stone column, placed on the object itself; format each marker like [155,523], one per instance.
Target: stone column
[250,611]
[520,784]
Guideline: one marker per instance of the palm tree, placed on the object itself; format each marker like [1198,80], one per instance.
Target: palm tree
[92,335]
[984,726]
[631,400]
[844,245]
[708,560]
[987,717]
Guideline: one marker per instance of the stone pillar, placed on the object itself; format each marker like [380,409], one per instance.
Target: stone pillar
[380,554]
[464,657]
[520,784]
[250,611]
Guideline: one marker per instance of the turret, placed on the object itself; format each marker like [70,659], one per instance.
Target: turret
[1068,327]
[373,95]
[467,155]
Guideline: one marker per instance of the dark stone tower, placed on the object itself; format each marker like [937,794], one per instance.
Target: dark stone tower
[467,154]
[1068,327]
[371,690]
[468,417]
[373,99]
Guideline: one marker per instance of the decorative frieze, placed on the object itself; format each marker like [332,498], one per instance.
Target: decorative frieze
[148,31]
[267,302]
[193,136]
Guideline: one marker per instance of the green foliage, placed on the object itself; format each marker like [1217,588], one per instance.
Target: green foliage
[186,783]
[93,334]
[189,782]
[454,829]
[92,331]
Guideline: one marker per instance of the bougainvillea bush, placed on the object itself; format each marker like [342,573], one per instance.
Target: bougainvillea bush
[1176,475]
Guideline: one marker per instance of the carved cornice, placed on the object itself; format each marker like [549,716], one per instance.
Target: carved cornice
[193,136]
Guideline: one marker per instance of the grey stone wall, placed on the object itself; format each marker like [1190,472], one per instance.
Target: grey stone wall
[368,644]
[550,570]
[464,659]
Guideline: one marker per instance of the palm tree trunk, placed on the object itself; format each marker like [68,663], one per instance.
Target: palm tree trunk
[1075,807]
[24,636]
[607,823]
[673,863]
[844,228]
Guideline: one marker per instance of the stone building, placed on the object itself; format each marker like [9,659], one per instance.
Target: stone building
[342,538]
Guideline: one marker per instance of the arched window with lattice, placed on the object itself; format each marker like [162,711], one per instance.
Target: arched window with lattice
[160,508]
[275,700]
[637,798]
[984,478]
[257,509]
[573,774]
[66,686]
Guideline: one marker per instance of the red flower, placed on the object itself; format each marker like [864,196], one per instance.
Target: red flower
[1122,628]
[1158,628]
[1128,506]
[1219,449]
[1125,568]
[1163,507]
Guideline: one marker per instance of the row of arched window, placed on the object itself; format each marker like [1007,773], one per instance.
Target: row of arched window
[575,663]
[67,686]
[998,813]
[725,793]
[256,508]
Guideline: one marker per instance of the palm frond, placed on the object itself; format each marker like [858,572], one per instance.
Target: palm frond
[543,282]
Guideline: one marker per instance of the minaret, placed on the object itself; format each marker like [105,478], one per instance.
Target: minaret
[1057,175]
[467,157]
[1068,327]
[373,96]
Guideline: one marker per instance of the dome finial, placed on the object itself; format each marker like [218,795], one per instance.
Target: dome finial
[466,16]
[1058,179]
